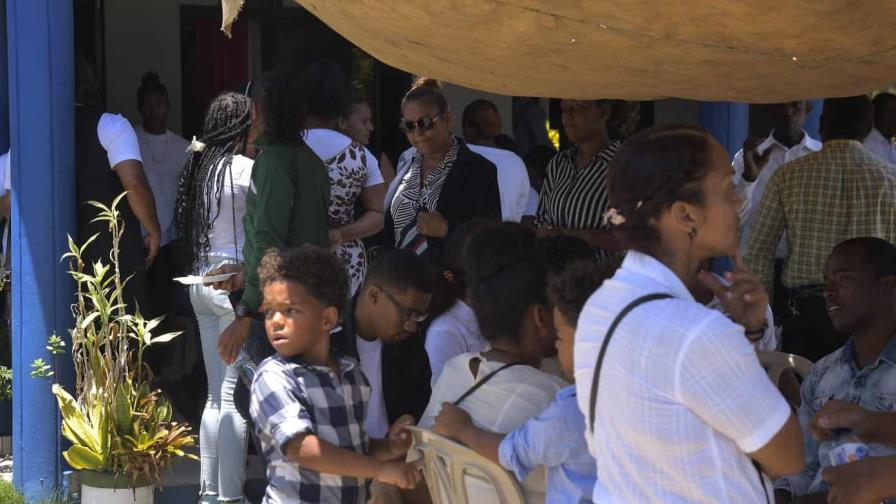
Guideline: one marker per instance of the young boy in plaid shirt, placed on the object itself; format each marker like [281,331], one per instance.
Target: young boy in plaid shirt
[309,405]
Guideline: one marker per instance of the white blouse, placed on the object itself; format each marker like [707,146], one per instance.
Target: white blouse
[682,394]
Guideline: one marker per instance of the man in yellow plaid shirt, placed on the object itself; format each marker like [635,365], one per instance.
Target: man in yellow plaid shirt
[820,200]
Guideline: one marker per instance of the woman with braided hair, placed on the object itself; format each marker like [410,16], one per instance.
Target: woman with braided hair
[211,203]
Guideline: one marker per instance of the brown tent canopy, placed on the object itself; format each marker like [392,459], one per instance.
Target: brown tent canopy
[725,50]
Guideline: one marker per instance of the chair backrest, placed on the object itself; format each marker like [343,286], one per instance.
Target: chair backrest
[456,474]
[775,363]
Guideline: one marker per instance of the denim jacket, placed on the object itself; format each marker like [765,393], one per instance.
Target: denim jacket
[836,376]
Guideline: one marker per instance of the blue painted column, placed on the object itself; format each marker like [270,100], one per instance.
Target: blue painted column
[41,83]
[4,83]
[728,122]
[812,121]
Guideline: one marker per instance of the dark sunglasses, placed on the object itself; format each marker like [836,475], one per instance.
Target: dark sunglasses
[424,123]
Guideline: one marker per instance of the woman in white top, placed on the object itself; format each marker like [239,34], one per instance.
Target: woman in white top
[210,206]
[357,122]
[682,403]
[507,292]
[454,330]
[354,171]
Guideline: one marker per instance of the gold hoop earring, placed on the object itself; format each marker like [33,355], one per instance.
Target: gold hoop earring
[692,234]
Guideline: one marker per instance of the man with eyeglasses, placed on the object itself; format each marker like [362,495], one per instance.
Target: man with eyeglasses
[382,328]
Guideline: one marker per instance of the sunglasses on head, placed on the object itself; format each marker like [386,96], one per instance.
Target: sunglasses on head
[424,123]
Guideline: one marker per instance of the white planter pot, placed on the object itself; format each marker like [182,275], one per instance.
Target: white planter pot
[94,495]
[103,488]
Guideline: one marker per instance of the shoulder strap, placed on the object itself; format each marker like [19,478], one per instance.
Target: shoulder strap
[483,381]
[595,380]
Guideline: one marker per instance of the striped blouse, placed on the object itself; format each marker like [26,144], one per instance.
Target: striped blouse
[410,198]
[573,198]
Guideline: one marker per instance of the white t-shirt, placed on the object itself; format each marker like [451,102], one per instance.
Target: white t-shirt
[880,147]
[163,161]
[513,180]
[326,143]
[503,404]
[532,206]
[452,333]
[371,355]
[229,221]
[117,136]
[682,394]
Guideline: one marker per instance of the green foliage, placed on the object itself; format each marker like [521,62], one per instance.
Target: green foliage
[9,494]
[114,421]
[5,383]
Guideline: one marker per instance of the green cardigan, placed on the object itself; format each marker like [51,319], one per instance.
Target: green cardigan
[287,205]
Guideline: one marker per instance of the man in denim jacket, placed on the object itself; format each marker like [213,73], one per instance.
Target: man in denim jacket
[860,295]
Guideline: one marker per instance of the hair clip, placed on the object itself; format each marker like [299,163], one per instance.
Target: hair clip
[613,217]
[448,276]
[638,205]
[195,145]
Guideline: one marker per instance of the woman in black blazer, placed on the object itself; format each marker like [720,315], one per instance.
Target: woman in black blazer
[445,183]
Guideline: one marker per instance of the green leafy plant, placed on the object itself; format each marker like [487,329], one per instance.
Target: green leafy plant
[5,383]
[115,422]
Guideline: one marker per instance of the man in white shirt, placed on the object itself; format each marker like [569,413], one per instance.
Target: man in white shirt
[380,329]
[880,141]
[758,161]
[481,126]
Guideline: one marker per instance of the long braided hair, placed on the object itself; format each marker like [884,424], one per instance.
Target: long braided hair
[224,134]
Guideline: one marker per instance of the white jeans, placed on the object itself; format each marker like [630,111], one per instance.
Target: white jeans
[222,432]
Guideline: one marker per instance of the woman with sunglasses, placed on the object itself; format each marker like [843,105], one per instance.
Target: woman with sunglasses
[444,184]
[574,193]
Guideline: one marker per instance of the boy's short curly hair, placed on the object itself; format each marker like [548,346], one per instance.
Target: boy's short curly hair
[570,290]
[317,270]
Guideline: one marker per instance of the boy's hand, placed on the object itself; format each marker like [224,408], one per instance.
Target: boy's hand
[399,438]
[400,474]
[451,421]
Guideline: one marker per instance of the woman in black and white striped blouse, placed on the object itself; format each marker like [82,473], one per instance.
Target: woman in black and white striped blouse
[444,184]
[574,196]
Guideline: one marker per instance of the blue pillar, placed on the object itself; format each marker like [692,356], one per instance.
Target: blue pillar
[4,83]
[812,123]
[728,122]
[41,82]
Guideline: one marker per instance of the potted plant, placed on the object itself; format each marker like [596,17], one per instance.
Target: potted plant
[121,430]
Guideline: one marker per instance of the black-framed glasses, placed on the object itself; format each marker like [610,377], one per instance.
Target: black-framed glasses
[406,314]
[424,123]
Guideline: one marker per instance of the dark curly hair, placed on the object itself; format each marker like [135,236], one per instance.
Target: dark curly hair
[278,94]
[316,269]
[506,274]
[325,89]
[569,291]
[655,168]
[561,251]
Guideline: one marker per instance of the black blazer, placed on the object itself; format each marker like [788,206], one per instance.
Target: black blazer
[470,191]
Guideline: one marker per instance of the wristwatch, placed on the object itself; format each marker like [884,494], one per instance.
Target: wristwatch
[242,311]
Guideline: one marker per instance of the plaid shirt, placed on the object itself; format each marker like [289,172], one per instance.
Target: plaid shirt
[820,200]
[290,399]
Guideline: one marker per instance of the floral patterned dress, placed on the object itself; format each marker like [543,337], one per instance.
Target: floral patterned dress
[348,172]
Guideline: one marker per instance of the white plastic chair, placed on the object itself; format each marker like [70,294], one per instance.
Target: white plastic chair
[456,474]
[775,363]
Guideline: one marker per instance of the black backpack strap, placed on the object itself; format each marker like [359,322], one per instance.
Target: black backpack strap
[595,380]
[483,381]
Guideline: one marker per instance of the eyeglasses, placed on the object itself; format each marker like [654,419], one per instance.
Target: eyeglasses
[424,123]
[406,314]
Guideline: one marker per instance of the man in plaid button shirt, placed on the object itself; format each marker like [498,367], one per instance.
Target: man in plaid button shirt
[820,200]
[308,405]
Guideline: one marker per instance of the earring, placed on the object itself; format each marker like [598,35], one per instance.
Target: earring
[692,234]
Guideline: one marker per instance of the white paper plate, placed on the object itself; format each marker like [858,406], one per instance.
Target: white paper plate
[195,280]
